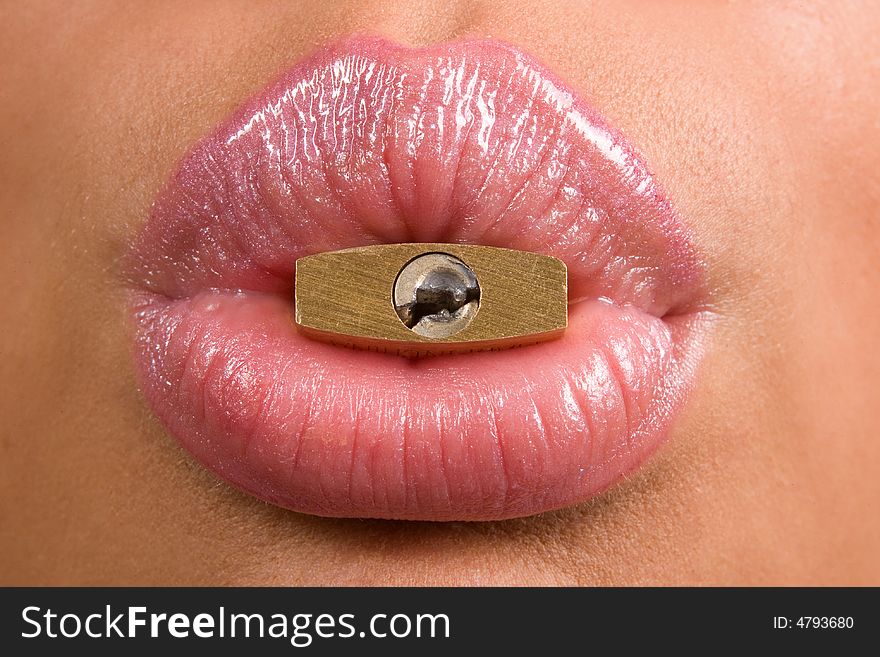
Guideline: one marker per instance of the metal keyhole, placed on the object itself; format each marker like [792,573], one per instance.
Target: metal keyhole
[436,295]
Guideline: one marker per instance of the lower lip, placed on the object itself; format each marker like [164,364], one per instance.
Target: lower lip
[337,432]
[340,432]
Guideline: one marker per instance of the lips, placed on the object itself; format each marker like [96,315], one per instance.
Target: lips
[368,142]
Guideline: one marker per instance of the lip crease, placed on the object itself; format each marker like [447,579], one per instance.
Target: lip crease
[370,142]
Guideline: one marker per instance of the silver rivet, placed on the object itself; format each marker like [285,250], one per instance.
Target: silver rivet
[436,295]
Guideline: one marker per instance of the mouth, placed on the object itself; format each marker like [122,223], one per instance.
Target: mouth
[367,142]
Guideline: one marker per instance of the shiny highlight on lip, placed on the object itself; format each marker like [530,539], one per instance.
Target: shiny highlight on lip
[368,142]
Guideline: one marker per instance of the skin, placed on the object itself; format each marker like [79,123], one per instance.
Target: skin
[759,119]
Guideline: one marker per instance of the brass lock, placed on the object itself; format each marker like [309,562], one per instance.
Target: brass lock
[428,299]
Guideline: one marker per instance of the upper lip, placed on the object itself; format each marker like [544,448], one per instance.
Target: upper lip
[368,142]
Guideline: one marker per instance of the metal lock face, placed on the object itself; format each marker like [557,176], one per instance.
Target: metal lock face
[424,299]
[436,295]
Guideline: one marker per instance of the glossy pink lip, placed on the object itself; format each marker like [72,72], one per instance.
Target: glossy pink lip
[369,142]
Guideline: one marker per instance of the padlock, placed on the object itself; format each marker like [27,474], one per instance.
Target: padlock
[422,299]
